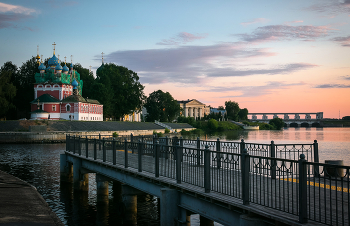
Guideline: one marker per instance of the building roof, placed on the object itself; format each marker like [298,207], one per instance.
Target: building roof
[45,98]
[78,98]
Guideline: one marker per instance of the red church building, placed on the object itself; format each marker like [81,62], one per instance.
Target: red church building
[57,94]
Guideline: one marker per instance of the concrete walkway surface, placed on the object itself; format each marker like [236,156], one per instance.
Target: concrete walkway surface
[21,204]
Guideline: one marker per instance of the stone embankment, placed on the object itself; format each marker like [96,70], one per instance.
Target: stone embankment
[21,204]
[29,131]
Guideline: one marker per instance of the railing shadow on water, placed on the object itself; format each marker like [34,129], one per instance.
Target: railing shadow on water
[281,177]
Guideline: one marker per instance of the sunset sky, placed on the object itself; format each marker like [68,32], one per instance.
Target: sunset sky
[269,56]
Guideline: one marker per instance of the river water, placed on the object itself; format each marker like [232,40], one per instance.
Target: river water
[38,164]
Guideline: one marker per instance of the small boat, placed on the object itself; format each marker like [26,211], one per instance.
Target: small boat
[251,127]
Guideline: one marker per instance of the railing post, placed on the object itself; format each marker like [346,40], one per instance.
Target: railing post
[316,159]
[67,142]
[156,162]
[139,153]
[79,145]
[74,144]
[167,148]
[132,141]
[178,155]
[99,141]
[114,151]
[104,149]
[218,156]
[302,190]
[154,139]
[245,167]
[126,163]
[87,148]
[273,162]
[181,142]
[198,151]
[207,169]
[95,149]
[242,146]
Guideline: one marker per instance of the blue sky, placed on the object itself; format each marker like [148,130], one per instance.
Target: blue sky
[269,56]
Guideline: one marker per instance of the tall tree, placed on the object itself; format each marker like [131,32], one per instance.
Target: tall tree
[7,93]
[243,114]
[232,109]
[123,87]
[88,78]
[25,88]
[162,107]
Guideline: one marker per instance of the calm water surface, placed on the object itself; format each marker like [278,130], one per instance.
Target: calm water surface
[38,164]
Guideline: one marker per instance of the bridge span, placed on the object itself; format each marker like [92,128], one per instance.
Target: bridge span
[297,119]
[232,183]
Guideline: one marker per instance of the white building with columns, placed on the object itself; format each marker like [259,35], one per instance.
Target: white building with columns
[193,108]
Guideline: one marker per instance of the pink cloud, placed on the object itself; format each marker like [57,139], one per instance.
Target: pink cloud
[344,41]
[257,20]
[286,32]
[182,38]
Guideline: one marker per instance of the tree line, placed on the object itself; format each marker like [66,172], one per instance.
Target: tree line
[116,87]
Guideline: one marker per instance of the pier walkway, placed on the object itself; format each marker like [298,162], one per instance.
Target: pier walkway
[21,204]
[227,182]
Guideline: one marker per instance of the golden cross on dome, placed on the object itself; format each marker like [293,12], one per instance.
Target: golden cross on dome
[102,57]
[41,58]
[54,47]
[65,60]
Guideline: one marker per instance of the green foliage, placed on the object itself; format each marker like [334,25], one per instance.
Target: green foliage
[346,118]
[224,126]
[232,109]
[277,123]
[221,108]
[167,130]
[122,90]
[213,124]
[243,114]
[161,107]
[265,126]
[115,134]
[7,93]
[189,120]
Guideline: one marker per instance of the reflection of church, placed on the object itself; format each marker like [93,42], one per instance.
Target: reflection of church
[57,93]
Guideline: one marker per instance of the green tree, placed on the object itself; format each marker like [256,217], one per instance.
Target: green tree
[243,114]
[232,109]
[277,123]
[88,78]
[7,93]
[125,92]
[221,108]
[213,124]
[346,118]
[161,106]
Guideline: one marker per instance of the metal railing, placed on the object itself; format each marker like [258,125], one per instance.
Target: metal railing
[308,190]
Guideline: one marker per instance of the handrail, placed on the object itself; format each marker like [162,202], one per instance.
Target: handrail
[296,187]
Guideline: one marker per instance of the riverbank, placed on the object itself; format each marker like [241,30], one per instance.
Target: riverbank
[44,131]
[21,204]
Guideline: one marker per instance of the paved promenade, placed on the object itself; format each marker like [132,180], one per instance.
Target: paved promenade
[21,204]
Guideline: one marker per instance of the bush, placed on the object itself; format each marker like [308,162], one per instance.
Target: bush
[213,124]
[115,134]
[277,123]
[167,130]
[265,126]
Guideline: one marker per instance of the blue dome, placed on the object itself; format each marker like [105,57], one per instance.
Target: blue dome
[75,84]
[53,61]
[58,67]
[65,68]
[41,67]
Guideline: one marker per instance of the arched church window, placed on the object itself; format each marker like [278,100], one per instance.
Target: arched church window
[68,107]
